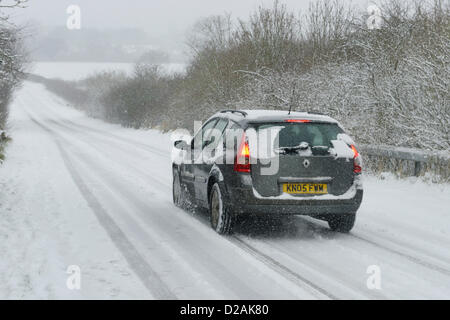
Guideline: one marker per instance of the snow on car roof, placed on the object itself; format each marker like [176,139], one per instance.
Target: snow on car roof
[260,115]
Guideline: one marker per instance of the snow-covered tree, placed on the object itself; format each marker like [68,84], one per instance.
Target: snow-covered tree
[11,57]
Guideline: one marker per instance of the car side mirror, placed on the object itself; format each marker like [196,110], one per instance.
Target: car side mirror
[181,144]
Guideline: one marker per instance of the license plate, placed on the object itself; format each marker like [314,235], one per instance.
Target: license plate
[305,188]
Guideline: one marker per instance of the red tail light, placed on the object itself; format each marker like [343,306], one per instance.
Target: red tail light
[242,161]
[356,160]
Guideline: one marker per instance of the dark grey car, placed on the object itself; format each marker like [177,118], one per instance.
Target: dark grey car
[271,163]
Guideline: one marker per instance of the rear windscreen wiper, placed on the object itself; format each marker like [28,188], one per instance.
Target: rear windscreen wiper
[287,150]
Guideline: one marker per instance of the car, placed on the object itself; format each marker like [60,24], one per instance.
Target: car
[267,162]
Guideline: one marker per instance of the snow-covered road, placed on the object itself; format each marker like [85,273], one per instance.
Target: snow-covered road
[78,191]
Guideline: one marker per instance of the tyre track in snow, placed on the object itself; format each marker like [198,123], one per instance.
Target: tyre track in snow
[325,288]
[280,268]
[105,137]
[140,145]
[409,257]
[404,255]
[72,127]
[105,134]
[137,263]
[134,167]
[68,124]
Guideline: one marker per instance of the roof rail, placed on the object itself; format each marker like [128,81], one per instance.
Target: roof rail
[234,111]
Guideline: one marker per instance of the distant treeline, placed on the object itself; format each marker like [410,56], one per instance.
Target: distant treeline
[386,82]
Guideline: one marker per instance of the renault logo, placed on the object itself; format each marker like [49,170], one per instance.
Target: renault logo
[306,163]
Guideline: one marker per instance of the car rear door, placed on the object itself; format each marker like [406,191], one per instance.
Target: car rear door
[188,167]
[211,151]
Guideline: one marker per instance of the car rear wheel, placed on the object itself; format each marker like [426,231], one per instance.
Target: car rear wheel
[222,218]
[342,222]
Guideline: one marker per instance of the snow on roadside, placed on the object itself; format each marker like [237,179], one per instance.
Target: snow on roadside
[407,212]
[46,226]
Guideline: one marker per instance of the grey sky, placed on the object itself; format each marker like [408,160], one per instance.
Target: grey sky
[154,16]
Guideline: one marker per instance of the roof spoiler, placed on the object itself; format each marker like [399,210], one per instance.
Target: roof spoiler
[235,111]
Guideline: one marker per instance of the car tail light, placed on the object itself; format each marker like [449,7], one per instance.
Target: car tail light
[242,161]
[356,160]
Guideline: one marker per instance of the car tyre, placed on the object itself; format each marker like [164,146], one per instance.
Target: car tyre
[222,217]
[342,222]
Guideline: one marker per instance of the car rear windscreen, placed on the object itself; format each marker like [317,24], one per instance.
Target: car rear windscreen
[292,134]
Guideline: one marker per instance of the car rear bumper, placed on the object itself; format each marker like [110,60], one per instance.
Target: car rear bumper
[244,201]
